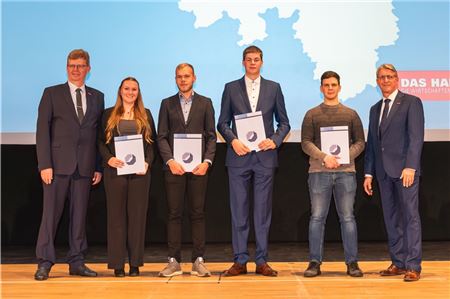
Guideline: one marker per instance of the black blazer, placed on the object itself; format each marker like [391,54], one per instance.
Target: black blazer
[200,121]
[108,151]
[62,143]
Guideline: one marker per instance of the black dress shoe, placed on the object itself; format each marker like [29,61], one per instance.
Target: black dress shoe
[134,271]
[119,272]
[41,273]
[83,270]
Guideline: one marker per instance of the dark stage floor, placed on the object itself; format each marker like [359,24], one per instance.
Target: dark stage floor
[280,252]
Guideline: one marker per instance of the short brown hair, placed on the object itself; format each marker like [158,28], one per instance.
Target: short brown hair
[79,53]
[386,66]
[252,49]
[330,74]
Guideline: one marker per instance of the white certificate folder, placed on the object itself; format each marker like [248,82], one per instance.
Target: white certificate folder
[187,150]
[250,129]
[334,141]
[130,150]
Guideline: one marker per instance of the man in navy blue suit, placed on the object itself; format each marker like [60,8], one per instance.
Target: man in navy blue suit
[252,93]
[66,136]
[394,147]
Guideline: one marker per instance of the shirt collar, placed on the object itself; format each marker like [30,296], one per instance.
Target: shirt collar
[183,99]
[73,87]
[250,81]
[392,96]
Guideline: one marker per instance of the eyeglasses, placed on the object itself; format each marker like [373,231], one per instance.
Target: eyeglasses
[76,66]
[386,77]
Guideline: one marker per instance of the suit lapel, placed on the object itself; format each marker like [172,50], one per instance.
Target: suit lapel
[194,108]
[376,121]
[89,103]
[262,92]
[244,94]
[176,105]
[396,105]
[68,99]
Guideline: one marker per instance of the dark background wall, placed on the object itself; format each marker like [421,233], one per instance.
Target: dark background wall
[21,201]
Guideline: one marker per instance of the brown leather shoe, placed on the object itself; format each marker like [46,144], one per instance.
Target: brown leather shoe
[411,275]
[266,270]
[392,270]
[236,269]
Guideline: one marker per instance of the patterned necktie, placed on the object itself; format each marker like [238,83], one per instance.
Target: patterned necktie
[80,112]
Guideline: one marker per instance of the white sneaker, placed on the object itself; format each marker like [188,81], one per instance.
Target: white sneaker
[173,268]
[199,268]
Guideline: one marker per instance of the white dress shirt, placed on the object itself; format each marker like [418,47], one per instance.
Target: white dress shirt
[253,87]
[391,97]
[73,93]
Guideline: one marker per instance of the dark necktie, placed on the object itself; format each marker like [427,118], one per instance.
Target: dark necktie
[80,112]
[385,110]
[384,115]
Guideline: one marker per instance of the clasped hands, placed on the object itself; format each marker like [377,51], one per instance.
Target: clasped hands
[331,162]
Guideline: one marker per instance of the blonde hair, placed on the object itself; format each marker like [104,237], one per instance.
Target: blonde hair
[140,116]
[183,65]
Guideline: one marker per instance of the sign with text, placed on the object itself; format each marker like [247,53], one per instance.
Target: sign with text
[427,85]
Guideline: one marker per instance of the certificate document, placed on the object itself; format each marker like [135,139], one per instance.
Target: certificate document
[187,150]
[334,141]
[130,150]
[250,129]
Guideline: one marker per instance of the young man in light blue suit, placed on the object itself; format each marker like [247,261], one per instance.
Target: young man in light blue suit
[394,147]
[252,93]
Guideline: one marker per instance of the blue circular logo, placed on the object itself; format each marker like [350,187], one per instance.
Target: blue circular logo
[251,136]
[187,157]
[130,159]
[335,149]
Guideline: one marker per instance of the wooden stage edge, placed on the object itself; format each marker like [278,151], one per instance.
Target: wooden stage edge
[17,282]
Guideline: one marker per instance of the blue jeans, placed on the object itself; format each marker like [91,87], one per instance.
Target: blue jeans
[342,185]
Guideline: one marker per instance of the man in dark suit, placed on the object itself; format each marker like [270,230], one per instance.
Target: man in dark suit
[186,112]
[66,137]
[252,93]
[394,147]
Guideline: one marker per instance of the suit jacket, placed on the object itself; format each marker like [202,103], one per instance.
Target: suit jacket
[402,141]
[200,121]
[108,151]
[271,104]
[62,143]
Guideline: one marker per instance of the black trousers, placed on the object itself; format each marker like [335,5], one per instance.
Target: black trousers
[76,188]
[127,203]
[193,188]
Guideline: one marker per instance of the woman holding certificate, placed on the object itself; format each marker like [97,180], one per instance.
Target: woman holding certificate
[126,194]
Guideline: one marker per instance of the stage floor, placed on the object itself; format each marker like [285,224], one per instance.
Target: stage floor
[290,259]
[279,252]
[18,282]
